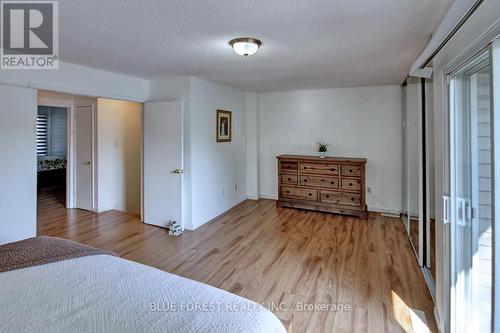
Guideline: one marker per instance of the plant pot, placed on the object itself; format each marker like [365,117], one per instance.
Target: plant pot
[322,154]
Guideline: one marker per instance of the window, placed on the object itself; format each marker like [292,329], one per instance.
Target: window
[42,138]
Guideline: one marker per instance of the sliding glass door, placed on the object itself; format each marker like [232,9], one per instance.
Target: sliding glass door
[471,168]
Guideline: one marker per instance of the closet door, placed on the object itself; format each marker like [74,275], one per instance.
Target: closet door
[412,161]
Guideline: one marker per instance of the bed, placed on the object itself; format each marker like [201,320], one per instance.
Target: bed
[50,163]
[51,171]
[53,285]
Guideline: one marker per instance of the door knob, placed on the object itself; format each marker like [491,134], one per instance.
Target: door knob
[86,163]
[178,171]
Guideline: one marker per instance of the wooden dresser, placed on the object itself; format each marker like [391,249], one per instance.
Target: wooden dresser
[331,184]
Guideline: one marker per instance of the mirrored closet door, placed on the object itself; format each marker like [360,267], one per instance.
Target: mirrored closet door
[418,172]
[412,175]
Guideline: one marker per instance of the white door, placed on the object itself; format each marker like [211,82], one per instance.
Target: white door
[83,156]
[163,163]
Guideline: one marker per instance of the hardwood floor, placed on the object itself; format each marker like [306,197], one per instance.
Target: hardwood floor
[277,256]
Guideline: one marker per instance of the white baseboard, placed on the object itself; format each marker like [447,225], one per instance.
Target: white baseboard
[384,210]
[370,208]
[269,197]
[216,214]
[251,197]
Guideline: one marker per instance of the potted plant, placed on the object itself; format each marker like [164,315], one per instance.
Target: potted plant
[322,149]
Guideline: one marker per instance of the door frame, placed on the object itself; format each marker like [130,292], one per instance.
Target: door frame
[448,134]
[420,129]
[71,142]
[49,102]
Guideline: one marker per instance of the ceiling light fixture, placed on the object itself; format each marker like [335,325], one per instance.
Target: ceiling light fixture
[245,46]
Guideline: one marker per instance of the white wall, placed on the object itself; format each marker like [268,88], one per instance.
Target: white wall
[119,140]
[218,179]
[357,122]
[18,111]
[211,170]
[252,144]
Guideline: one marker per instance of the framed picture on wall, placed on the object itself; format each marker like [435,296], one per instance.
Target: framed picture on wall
[224,126]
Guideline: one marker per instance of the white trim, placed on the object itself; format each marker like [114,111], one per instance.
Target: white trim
[456,12]
[370,208]
[269,197]
[142,163]
[476,46]
[384,211]
[53,102]
[211,217]
[495,64]
[70,178]
[421,158]
[94,185]
[437,319]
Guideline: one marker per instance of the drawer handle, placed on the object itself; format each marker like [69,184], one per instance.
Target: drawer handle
[310,194]
[305,180]
[323,180]
[327,196]
[287,191]
[332,169]
[332,183]
[352,199]
[350,171]
[305,168]
[350,184]
[289,179]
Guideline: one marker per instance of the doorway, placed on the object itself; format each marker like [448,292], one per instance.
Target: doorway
[52,153]
[65,151]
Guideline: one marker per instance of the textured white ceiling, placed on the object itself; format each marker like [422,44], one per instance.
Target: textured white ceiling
[307,43]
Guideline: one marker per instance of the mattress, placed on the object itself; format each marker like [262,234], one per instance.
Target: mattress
[104,293]
[48,163]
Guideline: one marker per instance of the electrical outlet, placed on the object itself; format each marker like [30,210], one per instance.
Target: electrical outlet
[369,189]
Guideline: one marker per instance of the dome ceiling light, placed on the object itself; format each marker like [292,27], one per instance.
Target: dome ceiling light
[245,46]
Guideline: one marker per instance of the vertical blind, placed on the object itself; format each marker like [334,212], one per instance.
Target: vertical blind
[42,140]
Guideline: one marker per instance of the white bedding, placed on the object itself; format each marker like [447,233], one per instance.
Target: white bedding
[103,293]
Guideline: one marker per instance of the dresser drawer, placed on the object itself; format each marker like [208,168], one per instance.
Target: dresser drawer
[351,184]
[299,193]
[288,167]
[289,179]
[319,168]
[341,198]
[318,181]
[351,170]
